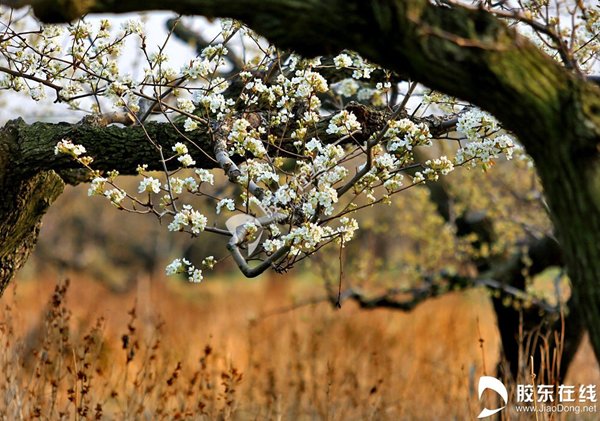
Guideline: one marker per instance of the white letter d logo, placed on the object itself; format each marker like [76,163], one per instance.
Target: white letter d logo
[488,382]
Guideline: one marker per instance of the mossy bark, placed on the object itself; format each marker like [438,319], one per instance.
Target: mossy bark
[24,202]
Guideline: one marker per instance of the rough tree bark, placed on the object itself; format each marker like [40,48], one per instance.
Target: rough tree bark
[24,202]
[460,51]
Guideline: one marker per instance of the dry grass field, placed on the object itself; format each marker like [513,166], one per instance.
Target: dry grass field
[235,350]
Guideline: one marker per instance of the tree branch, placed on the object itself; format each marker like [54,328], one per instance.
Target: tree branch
[416,296]
[112,147]
[544,253]
[115,147]
[189,36]
[458,50]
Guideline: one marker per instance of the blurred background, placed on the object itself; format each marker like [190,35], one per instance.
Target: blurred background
[268,348]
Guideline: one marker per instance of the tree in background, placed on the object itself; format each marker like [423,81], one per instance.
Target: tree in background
[307,142]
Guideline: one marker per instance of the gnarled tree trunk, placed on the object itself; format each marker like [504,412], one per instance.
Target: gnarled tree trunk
[25,199]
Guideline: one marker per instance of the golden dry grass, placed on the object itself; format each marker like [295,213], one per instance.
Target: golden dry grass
[209,352]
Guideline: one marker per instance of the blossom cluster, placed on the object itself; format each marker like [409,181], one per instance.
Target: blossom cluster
[343,123]
[184,266]
[188,217]
[286,93]
[245,139]
[434,168]
[475,123]
[485,140]
[485,150]
[183,156]
[403,135]
[300,158]
[308,236]
[66,146]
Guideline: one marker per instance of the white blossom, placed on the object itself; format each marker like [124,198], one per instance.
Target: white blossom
[403,135]
[198,68]
[190,184]
[180,148]
[272,245]
[150,185]
[393,183]
[176,266]
[116,196]
[190,124]
[314,145]
[185,104]
[346,87]
[188,217]
[67,147]
[186,160]
[347,228]
[205,176]
[418,177]
[97,186]
[176,185]
[195,275]
[308,82]
[343,123]
[209,262]
[132,26]
[342,60]
[442,165]
[245,138]
[474,121]
[228,203]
